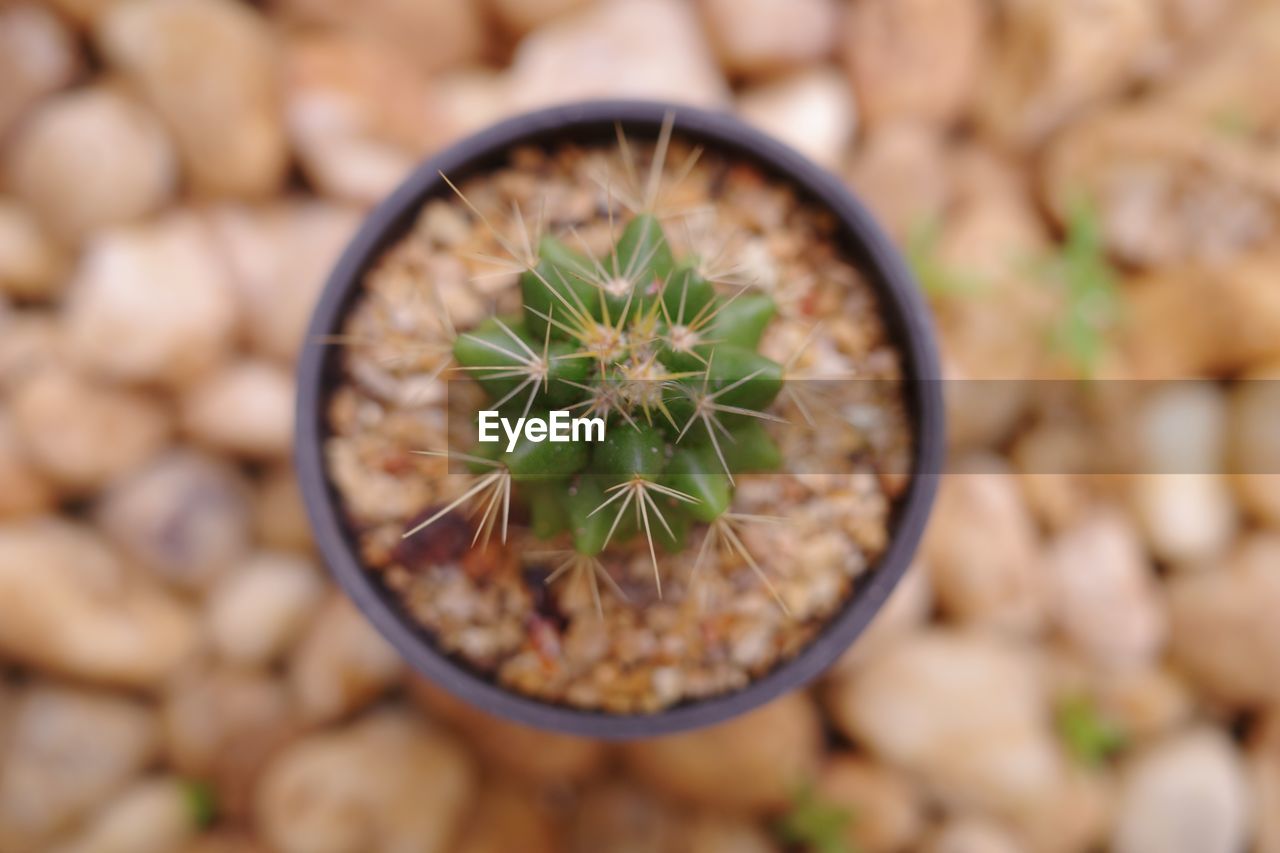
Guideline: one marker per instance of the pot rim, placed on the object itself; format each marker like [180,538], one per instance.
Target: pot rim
[902,305]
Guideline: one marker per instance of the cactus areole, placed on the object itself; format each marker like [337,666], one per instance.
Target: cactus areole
[597,401]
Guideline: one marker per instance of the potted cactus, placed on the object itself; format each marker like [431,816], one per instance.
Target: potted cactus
[626,420]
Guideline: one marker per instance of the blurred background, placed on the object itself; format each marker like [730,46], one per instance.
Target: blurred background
[1085,188]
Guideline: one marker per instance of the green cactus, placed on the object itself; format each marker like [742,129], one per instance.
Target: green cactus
[642,339]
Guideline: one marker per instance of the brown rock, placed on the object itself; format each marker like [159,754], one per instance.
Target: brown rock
[75,188]
[1169,191]
[281,522]
[231,137]
[1264,769]
[1052,60]
[387,782]
[542,757]
[887,810]
[67,605]
[504,819]
[1194,320]
[1225,636]
[37,56]
[521,16]
[1254,449]
[753,762]
[26,492]
[31,264]
[434,35]
[150,816]
[914,59]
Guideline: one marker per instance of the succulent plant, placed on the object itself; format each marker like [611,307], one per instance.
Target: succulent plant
[664,353]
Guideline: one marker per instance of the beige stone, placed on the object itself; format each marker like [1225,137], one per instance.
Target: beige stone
[812,111]
[982,550]
[255,613]
[151,816]
[152,304]
[222,725]
[900,171]
[280,257]
[907,610]
[186,518]
[1103,593]
[90,158]
[359,114]
[231,138]
[70,750]
[1184,795]
[619,49]
[342,664]
[967,712]
[85,435]
[1264,773]
[67,605]
[245,409]
[971,834]
[387,782]
[764,36]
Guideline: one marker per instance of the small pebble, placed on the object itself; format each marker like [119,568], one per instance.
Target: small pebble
[91,158]
[245,409]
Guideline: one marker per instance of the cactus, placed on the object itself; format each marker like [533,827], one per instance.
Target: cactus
[665,353]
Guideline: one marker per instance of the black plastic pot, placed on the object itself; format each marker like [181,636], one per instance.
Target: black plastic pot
[905,314]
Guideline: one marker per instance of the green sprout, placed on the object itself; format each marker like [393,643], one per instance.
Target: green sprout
[201,801]
[1089,284]
[1234,122]
[816,826]
[936,278]
[653,344]
[1089,736]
